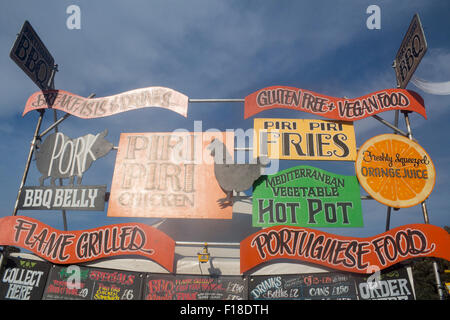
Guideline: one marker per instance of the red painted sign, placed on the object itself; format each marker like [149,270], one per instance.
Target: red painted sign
[72,247]
[106,106]
[360,255]
[331,107]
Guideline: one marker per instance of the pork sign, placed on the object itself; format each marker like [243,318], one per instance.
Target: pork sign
[62,157]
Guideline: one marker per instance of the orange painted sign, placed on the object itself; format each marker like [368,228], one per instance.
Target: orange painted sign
[168,175]
[72,247]
[107,106]
[359,255]
[395,170]
[331,107]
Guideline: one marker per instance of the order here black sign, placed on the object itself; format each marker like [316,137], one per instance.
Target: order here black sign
[31,55]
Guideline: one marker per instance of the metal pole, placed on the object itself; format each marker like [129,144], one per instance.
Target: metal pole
[427,221]
[30,155]
[216,100]
[388,218]
[202,244]
[390,125]
[55,119]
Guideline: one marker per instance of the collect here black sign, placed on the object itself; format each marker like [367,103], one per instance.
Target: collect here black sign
[23,279]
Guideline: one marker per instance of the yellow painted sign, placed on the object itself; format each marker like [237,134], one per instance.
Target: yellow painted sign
[304,139]
[395,170]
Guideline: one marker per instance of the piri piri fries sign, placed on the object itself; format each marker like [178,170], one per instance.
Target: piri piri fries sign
[304,139]
[395,170]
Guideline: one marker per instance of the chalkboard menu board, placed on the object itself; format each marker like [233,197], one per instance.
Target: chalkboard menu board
[82,283]
[193,287]
[391,285]
[311,286]
[23,279]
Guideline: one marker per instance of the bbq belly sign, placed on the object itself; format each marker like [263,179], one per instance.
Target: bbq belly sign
[61,157]
[358,255]
[71,247]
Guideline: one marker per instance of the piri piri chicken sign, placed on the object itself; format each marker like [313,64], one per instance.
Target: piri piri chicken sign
[168,175]
[395,170]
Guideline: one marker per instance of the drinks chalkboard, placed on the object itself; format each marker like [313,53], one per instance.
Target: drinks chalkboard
[311,286]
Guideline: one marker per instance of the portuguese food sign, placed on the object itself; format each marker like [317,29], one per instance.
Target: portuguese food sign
[359,255]
[307,196]
[395,170]
[304,139]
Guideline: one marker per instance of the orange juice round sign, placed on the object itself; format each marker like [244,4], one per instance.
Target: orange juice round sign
[395,170]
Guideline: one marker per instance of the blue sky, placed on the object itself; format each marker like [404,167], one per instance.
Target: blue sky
[220,49]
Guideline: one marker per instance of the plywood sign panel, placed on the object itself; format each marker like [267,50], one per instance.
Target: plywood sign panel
[168,175]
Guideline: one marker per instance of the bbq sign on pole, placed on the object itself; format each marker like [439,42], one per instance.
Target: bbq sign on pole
[31,55]
[410,53]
